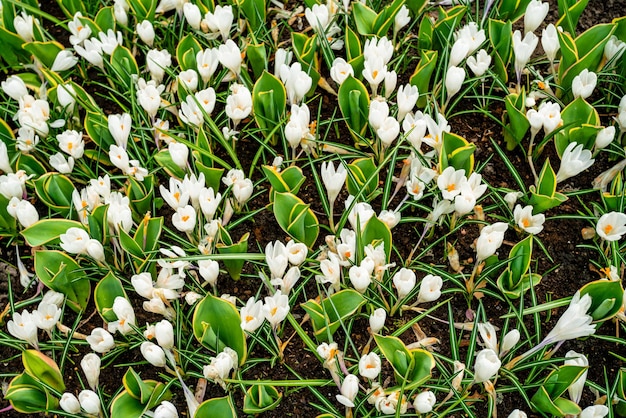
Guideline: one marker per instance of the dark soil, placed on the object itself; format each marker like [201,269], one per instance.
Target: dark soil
[567,265]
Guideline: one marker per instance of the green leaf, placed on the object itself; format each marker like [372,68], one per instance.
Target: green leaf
[217,324]
[354,104]
[46,230]
[234,265]
[456,152]
[376,231]
[43,368]
[124,64]
[186,51]
[61,273]
[364,18]
[363,175]
[107,289]
[606,298]
[269,99]
[143,9]
[261,398]
[327,316]
[216,408]
[28,396]
[423,73]
[46,52]
[412,367]
[296,218]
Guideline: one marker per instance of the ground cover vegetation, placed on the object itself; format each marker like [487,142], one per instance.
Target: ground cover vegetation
[251,207]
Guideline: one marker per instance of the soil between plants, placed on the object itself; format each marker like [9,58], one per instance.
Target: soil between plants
[569,268]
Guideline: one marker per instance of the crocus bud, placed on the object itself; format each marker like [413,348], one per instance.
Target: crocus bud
[604,137]
[349,390]
[404,281]
[91,367]
[536,12]
[584,83]
[424,402]
[166,409]
[516,413]
[455,76]
[153,353]
[486,366]
[14,87]
[164,332]
[510,339]
[69,403]
[145,30]
[89,401]
[430,289]
[377,320]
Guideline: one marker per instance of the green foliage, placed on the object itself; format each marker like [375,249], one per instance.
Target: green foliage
[288,180]
[296,218]
[261,398]
[501,39]
[217,324]
[269,99]
[61,273]
[456,152]
[217,407]
[138,396]
[107,289]
[569,12]
[47,230]
[515,279]
[354,104]
[606,298]
[333,312]
[517,126]
[544,196]
[412,367]
[581,124]
[548,398]
[226,246]
[368,22]
[362,177]
[423,72]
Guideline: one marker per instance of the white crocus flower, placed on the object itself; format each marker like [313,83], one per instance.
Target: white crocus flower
[370,366]
[458,52]
[91,367]
[550,42]
[430,288]
[374,71]
[594,411]
[14,87]
[193,15]
[276,308]
[79,32]
[60,164]
[276,258]
[479,63]
[207,61]
[486,365]
[125,316]
[296,252]
[69,403]
[333,179]
[145,30]
[24,211]
[100,340]
[424,402]
[406,97]
[90,402]
[238,103]
[340,70]
[490,240]
[360,277]
[388,131]
[455,76]
[64,60]
[381,47]
[184,219]
[331,272]
[575,160]
[523,49]
[391,80]
[611,226]
[71,142]
[450,182]
[404,281]
[91,50]
[74,240]
[220,20]
[23,327]
[349,390]
[536,12]
[157,61]
[377,320]
[190,112]
[188,79]
[297,82]
[575,390]
[229,56]
[179,153]
[209,271]
[166,409]
[524,218]
[516,413]
[614,48]
[164,333]
[119,127]
[24,26]
[584,83]
[153,354]
[251,315]
[401,19]
[604,137]
[149,96]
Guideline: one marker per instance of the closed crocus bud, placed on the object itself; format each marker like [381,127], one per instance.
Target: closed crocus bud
[333,179]
[91,367]
[391,80]
[164,332]
[455,76]
[536,12]
[401,19]
[550,41]
[584,83]
[369,366]
[604,137]
[517,414]
[100,340]
[349,390]
[388,131]
[424,402]
[508,342]
[166,409]
[64,60]
[575,390]
[193,15]
[189,79]
[229,56]
[179,153]
[14,87]
[26,213]
[523,49]
[209,271]
[377,320]
[119,127]
[145,30]
[404,281]
[360,278]
[430,289]
[69,403]
[486,366]
[153,354]
[95,250]
[407,97]
[89,401]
